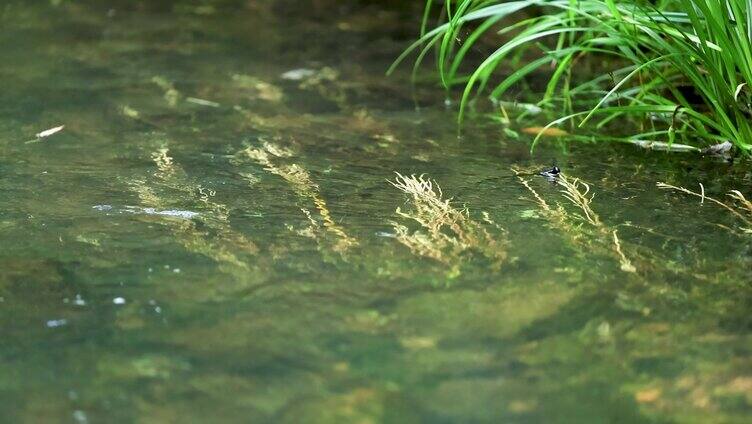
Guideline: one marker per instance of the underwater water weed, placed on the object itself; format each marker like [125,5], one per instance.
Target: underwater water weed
[740,207]
[745,204]
[171,95]
[447,232]
[223,246]
[595,235]
[303,185]
[173,176]
[222,249]
[258,88]
[683,67]
[624,263]
[577,192]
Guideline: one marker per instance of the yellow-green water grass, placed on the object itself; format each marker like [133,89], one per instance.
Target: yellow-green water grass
[740,207]
[301,182]
[585,228]
[446,232]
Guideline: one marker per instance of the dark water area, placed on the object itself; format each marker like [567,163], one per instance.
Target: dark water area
[213,236]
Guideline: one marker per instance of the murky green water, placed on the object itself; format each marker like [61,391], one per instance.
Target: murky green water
[213,238]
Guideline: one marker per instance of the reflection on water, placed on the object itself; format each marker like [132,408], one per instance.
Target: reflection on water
[218,234]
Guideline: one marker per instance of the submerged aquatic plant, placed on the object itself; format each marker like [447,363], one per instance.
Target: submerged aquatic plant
[577,192]
[301,182]
[211,234]
[595,235]
[686,65]
[741,208]
[447,231]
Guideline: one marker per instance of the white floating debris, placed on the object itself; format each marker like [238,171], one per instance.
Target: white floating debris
[202,102]
[49,132]
[53,323]
[79,301]
[173,213]
[298,74]
[119,301]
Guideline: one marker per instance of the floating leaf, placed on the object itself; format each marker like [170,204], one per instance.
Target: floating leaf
[546,132]
[49,132]
[648,395]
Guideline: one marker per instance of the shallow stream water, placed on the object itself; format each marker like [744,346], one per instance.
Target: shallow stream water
[213,237]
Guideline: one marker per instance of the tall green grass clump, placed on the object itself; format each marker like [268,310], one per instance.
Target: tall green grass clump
[683,68]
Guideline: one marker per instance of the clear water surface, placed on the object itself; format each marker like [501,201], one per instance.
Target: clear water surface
[213,237]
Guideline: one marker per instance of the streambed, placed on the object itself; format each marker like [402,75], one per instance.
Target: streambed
[232,227]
